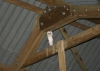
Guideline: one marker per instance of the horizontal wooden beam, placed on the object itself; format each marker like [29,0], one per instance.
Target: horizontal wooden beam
[74,51]
[90,11]
[69,43]
[26,5]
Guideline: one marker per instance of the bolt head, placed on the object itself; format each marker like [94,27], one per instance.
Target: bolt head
[63,13]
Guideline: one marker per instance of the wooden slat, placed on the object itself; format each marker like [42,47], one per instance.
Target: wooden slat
[61,55]
[74,51]
[28,47]
[69,43]
[26,5]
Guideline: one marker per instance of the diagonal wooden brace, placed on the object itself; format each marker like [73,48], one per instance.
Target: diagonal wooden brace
[69,43]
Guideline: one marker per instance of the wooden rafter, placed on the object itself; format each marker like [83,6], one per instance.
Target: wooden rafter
[76,12]
[96,21]
[74,51]
[29,48]
[79,25]
[69,43]
[54,2]
[61,55]
[26,5]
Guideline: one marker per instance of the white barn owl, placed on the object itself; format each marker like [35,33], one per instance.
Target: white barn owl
[50,38]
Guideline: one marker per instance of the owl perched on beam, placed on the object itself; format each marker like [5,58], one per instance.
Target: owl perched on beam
[50,38]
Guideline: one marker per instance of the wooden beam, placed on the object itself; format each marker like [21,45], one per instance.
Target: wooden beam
[74,51]
[23,69]
[28,48]
[54,2]
[56,15]
[4,67]
[79,25]
[61,55]
[90,11]
[60,23]
[96,21]
[61,3]
[69,43]
[26,5]
[48,2]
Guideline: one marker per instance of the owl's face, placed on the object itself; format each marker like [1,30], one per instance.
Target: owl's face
[49,33]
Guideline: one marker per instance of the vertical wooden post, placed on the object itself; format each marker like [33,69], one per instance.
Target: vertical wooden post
[61,55]
[74,51]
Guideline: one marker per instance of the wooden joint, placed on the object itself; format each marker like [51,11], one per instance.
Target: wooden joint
[52,15]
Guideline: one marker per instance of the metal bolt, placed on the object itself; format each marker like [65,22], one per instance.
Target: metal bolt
[55,6]
[98,9]
[49,17]
[45,11]
[49,9]
[86,9]
[74,10]
[17,63]
[63,13]
[67,8]
[41,24]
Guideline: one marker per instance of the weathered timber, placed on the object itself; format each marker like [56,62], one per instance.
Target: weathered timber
[49,2]
[96,21]
[4,67]
[74,51]
[23,69]
[69,43]
[26,5]
[54,2]
[90,11]
[61,55]
[81,26]
[53,15]
[28,47]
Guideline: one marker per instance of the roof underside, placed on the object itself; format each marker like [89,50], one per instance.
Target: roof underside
[16,25]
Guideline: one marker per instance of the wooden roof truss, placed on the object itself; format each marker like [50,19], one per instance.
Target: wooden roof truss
[57,14]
